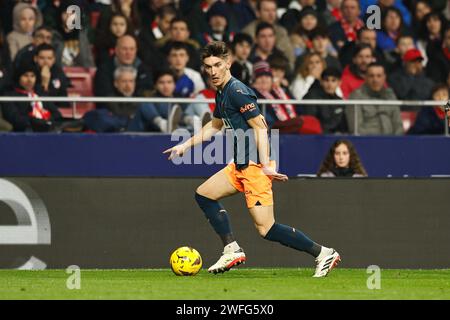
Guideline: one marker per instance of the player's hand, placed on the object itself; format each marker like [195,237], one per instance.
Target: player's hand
[176,151]
[274,174]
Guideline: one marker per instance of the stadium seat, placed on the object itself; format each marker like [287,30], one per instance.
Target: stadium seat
[408,119]
[82,86]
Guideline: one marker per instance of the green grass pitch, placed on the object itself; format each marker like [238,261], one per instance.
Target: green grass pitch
[242,283]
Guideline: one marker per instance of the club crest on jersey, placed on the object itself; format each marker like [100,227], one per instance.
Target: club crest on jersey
[247,107]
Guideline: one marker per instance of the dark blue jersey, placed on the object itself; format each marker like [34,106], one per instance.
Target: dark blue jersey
[235,104]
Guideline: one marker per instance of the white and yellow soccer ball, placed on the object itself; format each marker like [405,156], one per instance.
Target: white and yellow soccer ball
[186,261]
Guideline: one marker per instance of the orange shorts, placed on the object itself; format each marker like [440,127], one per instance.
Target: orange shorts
[252,181]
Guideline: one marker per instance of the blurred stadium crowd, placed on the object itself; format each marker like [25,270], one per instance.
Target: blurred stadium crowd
[299,49]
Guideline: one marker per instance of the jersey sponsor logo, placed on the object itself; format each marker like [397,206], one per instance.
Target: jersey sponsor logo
[248,107]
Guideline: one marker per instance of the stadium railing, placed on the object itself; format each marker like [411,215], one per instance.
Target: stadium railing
[262,102]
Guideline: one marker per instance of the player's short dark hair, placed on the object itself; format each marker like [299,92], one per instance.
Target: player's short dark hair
[262,26]
[240,38]
[215,49]
[331,72]
[44,47]
[163,72]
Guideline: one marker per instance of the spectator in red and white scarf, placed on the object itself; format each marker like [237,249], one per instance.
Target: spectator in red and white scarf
[346,29]
[29,116]
[263,82]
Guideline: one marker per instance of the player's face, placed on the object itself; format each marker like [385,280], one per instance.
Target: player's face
[217,69]
[342,156]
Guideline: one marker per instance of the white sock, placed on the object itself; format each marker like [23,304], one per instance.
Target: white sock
[231,247]
[324,252]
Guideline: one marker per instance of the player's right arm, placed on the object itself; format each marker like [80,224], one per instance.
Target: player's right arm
[210,129]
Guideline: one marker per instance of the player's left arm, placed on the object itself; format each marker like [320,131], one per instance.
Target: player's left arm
[259,125]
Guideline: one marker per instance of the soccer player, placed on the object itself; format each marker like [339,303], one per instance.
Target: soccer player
[237,109]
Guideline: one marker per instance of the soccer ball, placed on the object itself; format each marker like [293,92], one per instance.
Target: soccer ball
[186,261]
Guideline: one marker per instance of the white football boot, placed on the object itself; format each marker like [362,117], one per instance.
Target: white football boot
[326,264]
[227,261]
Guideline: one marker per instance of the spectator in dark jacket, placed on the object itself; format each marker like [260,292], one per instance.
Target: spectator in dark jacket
[431,120]
[29,116]
[51,81]
[411,83]
[41,35]
[115,116]
[242,68]
[125,55]
[438,65]
[332,118]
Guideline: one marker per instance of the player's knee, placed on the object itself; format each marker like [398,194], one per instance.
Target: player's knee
[263,230]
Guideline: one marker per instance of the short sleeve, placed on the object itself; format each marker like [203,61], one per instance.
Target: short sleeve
[245,103]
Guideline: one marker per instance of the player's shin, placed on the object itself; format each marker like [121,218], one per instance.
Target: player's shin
[217,217]
[292,238]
